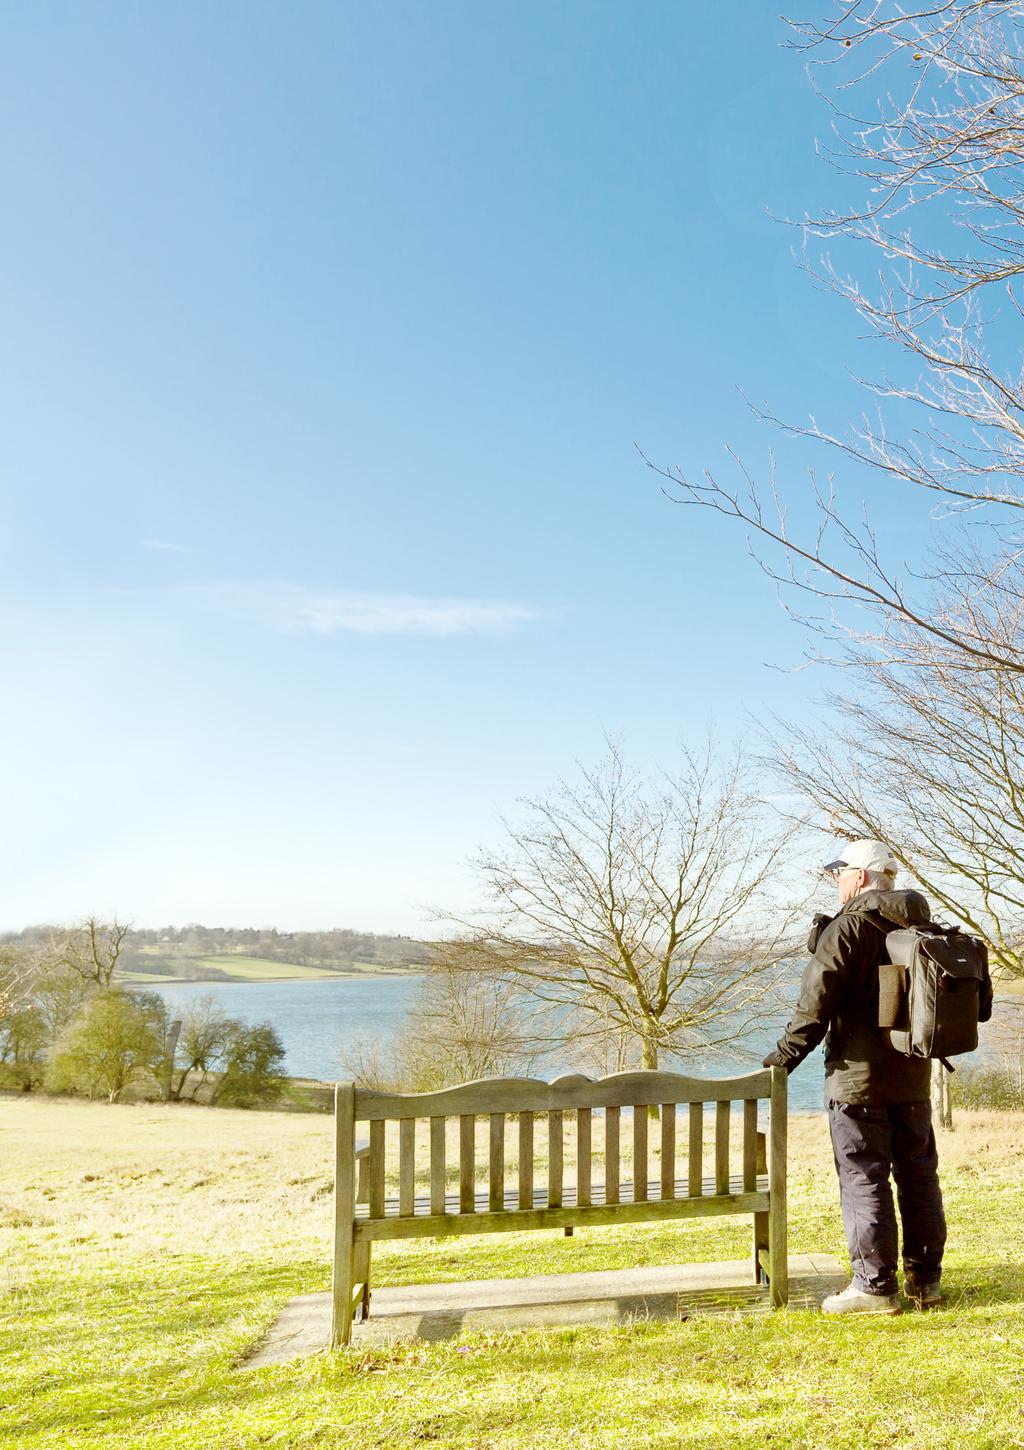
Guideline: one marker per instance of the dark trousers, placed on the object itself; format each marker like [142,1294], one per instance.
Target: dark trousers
[869,1144]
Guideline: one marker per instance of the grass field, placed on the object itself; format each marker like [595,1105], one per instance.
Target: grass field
[258,969]
[144,1249]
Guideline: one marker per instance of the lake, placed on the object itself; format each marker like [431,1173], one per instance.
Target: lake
[318,1021]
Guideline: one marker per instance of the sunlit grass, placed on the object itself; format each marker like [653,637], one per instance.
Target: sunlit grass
[145,1248]
[260,969]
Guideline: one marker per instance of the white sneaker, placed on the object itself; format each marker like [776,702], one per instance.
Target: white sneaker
[852,1300]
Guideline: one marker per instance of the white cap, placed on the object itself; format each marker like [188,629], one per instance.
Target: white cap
[867,855]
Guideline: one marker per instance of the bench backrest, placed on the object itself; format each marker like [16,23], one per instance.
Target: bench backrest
[526,1099]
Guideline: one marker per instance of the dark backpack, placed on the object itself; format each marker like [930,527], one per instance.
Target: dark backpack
[933,991]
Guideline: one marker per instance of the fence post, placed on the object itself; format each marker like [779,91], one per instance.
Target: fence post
[170,1047]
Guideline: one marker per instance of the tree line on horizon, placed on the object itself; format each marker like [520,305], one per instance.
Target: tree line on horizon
[174,950]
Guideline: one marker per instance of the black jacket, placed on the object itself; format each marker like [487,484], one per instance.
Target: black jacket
[839,1002]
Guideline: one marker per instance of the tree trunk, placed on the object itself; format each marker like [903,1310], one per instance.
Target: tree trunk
[649,1060]
[942,1107]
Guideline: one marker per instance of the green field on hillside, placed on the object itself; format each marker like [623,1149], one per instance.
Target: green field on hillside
[257,969]
[144,1250]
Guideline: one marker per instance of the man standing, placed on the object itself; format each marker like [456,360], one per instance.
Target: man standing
[878,1100]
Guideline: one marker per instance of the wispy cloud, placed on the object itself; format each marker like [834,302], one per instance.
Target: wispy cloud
[294,609]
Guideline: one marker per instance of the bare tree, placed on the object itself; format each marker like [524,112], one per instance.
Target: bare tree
[59,992]
[928,117]
[460,1026]
[927,106]
[930,757]
[597,1044]
[33,975]
[91,950]
[14,970]
[67,966]
[23,1032]
[654,910]
[1008,1045]
[202,1046]
[252,1067]
[23,1047]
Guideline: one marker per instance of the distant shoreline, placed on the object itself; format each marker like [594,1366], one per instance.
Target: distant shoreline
[140,979]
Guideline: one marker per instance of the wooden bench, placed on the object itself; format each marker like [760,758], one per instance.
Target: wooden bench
[364,1212]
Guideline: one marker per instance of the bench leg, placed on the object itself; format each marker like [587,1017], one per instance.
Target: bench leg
[568,1231]
[343,1274]
[342,1290]
[778,1261]
[362,1275]
[760,1243]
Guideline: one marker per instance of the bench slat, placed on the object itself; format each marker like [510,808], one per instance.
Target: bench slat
[555,1158]
[583,1152]
[570,1198]
[525,1159]
[640,1151]
[695,1149]
[376,1170]
[406,1165]
[668,1150]
[749,1142]
[437,1165]
[568,1213]
[722,1117]
[467,1163]
[496,1174]
[611,1155]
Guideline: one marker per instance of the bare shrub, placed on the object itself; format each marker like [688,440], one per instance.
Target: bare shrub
[460,1027]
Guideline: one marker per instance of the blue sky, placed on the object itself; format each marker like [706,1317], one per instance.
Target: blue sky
[330,334]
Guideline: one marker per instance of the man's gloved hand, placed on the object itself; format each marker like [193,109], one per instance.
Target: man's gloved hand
[775,1059]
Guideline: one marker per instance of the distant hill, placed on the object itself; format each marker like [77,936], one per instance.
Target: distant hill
[193,952]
